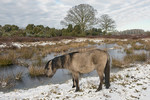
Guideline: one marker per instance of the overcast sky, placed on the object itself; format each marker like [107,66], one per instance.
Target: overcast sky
[128,14]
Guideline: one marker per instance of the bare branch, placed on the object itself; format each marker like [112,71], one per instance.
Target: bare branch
[83,15]
[107,23]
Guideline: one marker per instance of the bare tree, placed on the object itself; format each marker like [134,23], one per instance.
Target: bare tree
[83,15]
[106,23]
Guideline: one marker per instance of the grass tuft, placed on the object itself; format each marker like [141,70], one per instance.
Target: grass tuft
[19,76]
[26,52]
[135,57]
[116,63]
[36,71]
[9,59]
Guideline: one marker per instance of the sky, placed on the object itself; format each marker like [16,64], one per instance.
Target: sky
[128,14]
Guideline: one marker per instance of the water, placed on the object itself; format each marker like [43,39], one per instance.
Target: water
[114,53]
[61,75]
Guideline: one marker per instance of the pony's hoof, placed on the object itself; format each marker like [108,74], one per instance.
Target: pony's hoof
[98,89]
[73,86]
[77,90]
[107,87]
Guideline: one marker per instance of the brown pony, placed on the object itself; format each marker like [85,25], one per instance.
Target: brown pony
[82,62]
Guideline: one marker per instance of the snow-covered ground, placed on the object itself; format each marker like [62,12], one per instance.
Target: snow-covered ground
[129,84]
[66,41]
[43,43]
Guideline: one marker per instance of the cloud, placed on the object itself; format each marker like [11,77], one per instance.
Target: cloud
[51,12]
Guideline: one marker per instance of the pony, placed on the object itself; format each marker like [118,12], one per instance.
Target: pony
[82,62]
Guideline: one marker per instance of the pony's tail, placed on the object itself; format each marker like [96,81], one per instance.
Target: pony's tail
[107,72]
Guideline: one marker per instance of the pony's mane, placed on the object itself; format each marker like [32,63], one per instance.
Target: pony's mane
[46,66]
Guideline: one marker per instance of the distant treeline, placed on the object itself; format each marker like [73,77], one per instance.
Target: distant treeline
[132,31]
[32,30]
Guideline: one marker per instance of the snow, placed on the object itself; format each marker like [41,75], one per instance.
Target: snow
[43,43]
[128,84]
[65,41]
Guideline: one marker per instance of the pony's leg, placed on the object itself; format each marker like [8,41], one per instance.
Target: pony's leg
[77,85]
[73,80]
[76,79]
[101,80]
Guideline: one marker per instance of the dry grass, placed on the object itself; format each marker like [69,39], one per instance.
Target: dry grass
[125,43]
[137,47]
[144,45]
[8,59]
[117,63]
[7,82]
[129,50]
[121,43]
[91,42]
[19,76]
[36,71]
[113,78]
[128,59]
[61,48]
[141,41]
[26,52]
[5,61]
[135,57]
[148,59]
[147,46]
[38,52]
[108,41]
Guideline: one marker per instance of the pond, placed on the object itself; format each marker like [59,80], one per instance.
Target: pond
[60,76]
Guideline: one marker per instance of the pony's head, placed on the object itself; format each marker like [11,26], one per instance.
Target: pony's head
[49,70]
